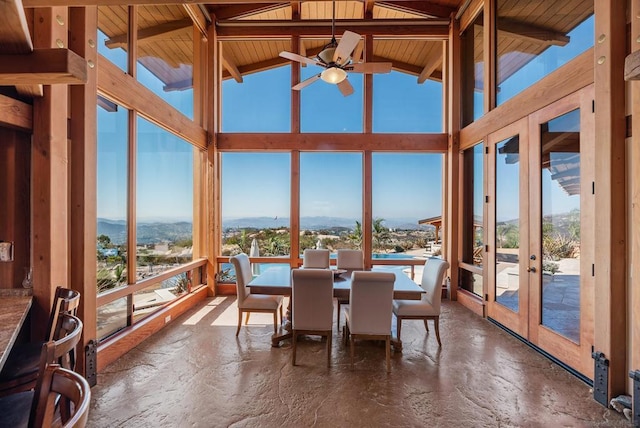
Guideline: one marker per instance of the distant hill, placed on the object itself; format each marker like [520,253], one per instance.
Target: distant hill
[147,233]
[314,223]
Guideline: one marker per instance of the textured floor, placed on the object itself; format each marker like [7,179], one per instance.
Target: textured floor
[196,373]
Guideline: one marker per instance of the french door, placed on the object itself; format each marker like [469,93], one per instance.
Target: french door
[541,229]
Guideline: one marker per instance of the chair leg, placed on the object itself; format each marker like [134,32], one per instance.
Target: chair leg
[280,314]
[275,322]
[398,326]
[239,321]
[246,321]
[426,325]
[388,352]
[329,348]
[294,339]
[338,317]
[352,346]
[436,322]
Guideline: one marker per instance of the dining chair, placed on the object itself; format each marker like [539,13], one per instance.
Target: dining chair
[248,302]
[312,306]
[20,409]
[428,307]
[315,259]
[369,313]
[350,260]
[21,368]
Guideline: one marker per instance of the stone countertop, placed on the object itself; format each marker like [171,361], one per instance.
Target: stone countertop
[13,312]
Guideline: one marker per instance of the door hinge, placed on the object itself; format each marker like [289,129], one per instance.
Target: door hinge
[593,106]
[486,297]
[486,248]
[593,187]
[600,378]
[486,150]
[486,199]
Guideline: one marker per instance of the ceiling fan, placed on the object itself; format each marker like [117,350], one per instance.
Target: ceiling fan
[336,60]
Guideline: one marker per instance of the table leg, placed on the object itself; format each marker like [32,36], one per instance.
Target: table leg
[284,332]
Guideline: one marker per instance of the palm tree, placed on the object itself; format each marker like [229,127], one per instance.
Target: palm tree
[380,233]
[356,236]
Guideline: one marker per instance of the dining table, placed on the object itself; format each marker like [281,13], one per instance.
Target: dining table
[276,280]
[13,313]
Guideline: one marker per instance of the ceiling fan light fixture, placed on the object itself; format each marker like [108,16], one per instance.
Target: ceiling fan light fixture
[333,75]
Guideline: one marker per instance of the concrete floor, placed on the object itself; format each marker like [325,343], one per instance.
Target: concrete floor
[196,373]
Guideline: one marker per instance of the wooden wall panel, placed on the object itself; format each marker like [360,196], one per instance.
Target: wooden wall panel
[15,149]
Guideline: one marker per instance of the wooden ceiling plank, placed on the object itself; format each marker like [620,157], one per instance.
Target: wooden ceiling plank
[230,66]
[14,32]
[239,11]
[43,66]
[150,33]
[238,30]
[424,8]
[433,62]
[16,114]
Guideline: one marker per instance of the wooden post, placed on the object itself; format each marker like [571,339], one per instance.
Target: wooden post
[214,217]
[452,168]
[83,23]
[610,235]
[49,160]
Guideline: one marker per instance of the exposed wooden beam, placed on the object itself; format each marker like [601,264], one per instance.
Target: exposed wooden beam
[150,33]
[523,30]
[16,114]
[14,32]
[415,28]
[368,7]
[230,66]
[210,3]
[433,143]
[31,91]
[238,11]
[295,9]
[419,8]
[198,17]
[433,62]
[43,66]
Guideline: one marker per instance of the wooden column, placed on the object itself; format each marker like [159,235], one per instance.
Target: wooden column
[610,235]
[490,59]
[451,207]
[214,218]
[634,182]
[295,95]
[199,158]
[368,87]
[83,23]
[367,206]
[294,216]
[49,161]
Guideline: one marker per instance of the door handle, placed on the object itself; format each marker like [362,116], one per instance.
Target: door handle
[531,269]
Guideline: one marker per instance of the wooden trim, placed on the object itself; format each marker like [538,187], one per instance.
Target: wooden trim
[214,217]
[198,17]
[451,212]
[121,292]
[470,14]
[15,114]
[114,348]
[295,95]
[46,66]
[489,41]
[610,130]
[126,91]
[368,88]
[569,78]
[294,209]
[83,23]
[634,202]
[472,302]
[14,31]
[435,143]
[367,205]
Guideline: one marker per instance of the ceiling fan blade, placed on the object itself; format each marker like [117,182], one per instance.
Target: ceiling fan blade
[345,87]
[371,67]
[306,82]
[298,58]
[357,52]
[347,44]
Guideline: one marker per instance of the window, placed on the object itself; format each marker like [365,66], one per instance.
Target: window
[330,200]
[473,217]
[524,57]
[472,61]
[263,100]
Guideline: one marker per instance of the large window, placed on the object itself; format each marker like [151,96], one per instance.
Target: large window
[256,192]
[112,193]
[534,41]
[261,103]
[472,61]
[473,218]
[167,68]
[407,187]
[400,104]
[330,200]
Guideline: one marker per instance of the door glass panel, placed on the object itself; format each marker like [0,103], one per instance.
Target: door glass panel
[560,165]
[507,222]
